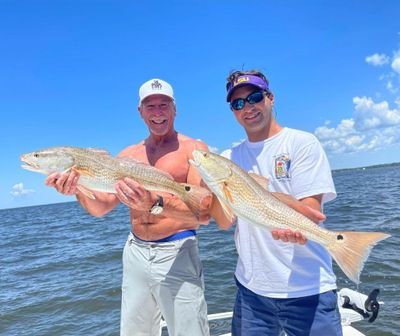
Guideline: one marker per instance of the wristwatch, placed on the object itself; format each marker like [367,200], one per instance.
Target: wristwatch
[158,206]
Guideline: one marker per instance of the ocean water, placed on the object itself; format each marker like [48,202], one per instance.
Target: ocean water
[60,269]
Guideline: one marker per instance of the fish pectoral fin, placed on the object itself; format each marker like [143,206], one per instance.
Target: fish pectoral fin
[86,192]
[261,180]
[224,204]
[83,171]
[226,192]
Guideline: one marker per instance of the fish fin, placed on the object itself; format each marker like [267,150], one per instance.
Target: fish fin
[128,161]
[193,197]
[351,250]
[86,192]
[68,169]
[226,192]
[226,209]
[83,171]
[261,180]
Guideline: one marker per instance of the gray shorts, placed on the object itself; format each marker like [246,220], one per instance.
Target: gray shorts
[163,279]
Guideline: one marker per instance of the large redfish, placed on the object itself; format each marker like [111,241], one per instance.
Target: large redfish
[242,194]
[99,171]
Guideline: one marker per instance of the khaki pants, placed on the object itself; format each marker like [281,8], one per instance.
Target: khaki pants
[163,279]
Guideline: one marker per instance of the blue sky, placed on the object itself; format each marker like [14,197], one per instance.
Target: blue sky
[70,73]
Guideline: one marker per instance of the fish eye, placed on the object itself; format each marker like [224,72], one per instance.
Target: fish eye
[205,154]
[36,155]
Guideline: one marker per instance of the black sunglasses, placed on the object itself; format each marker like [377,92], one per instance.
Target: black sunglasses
[252,98]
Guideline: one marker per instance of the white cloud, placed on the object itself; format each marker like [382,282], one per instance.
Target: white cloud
[396,63]
[373,126]
[236,143]
[392,77]
[345,128]
[213,149]
[210,148]
[377,59]
[369,114]
[18,190]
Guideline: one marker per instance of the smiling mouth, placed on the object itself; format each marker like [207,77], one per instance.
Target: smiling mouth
[251,116]
[158,121]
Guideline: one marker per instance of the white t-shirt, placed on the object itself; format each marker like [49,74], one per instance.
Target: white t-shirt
[295,164]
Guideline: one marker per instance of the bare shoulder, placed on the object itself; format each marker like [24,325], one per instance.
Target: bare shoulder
[132,151]
[190,144]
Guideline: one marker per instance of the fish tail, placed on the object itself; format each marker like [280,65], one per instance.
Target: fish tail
[351,250]
[193,197]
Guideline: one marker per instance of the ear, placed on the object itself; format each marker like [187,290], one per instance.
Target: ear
[271,98]
[140,110]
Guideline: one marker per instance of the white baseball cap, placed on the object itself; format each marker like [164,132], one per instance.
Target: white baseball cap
[155,86]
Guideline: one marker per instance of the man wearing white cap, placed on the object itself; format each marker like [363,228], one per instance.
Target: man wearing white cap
[162,271]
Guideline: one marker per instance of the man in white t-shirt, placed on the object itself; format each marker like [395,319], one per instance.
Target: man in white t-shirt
[281,286]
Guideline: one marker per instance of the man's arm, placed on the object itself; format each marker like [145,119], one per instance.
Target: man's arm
[223,220]
[309,207]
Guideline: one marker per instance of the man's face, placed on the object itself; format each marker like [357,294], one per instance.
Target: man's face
[255,118]
[158,112]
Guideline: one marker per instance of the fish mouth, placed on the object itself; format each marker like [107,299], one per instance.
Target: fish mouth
[28,165]
[31,167]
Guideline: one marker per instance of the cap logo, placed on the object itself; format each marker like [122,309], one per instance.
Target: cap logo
[156,85]
[241,80]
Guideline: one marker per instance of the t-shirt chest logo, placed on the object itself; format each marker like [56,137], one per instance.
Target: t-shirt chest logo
[282,166]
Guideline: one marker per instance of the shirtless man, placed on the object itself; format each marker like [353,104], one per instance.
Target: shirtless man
[162,271]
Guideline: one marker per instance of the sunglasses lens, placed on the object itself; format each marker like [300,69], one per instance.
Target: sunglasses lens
[238,104]
[255,97]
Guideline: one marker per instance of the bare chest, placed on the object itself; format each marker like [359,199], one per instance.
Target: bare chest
[175,163]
